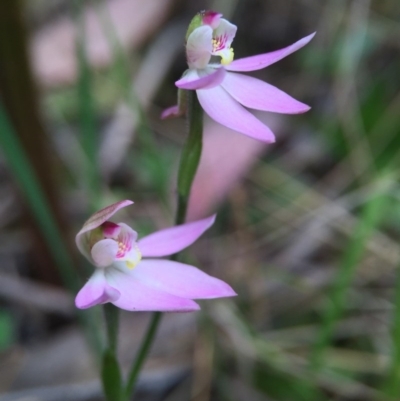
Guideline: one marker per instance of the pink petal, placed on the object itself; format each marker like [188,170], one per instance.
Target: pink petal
[221,107]
[264,60]
[259,95]
[199,47]
[171,112]
[171,240]
[192,80]
[181,280]
[138,296]
[98,218]
[104,252]
[96,291]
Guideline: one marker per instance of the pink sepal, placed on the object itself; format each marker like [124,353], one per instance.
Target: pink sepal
[96,291]
[171,240]
[260,61]
[193,81]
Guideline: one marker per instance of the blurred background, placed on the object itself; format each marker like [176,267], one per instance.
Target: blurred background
[308,228]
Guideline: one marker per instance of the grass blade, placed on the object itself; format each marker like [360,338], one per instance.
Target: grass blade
[372,214]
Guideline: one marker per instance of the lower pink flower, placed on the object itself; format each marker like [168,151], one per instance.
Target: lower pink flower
[151,284]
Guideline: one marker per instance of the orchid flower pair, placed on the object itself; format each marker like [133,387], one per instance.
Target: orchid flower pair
[221,92]
[124,279]
[121,276]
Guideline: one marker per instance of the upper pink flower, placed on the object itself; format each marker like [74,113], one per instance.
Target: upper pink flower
[221,92]
[123,278]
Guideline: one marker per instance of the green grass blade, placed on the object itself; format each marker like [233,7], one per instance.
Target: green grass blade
[30,187]
[36,200]
[372,214]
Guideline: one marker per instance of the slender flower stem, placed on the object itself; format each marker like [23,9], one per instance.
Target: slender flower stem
[142,354]
[190,159]
[111,317]
[110,371]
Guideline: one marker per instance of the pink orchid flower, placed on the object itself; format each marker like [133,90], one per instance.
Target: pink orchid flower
[130,283]
[222,92]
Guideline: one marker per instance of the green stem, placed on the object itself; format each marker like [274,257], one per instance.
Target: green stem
[111,317]
[142,354]
[190,159]
[110,371]
[181,209]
